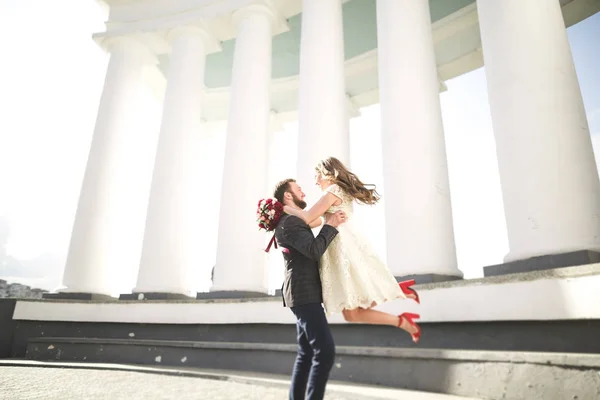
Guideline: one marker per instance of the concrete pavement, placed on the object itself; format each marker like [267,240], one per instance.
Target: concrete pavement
[31,380]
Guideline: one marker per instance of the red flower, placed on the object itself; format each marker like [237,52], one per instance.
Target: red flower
[268,214]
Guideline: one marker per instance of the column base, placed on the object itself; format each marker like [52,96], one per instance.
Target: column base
[542,263]
[231,294]
[77,296]
[421,279]
[154,296]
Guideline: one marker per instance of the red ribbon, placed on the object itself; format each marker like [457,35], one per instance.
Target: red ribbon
[272,242]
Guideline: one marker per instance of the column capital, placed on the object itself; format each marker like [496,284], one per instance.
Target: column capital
[443,86]
[211,44]
[353,108]
[263,7]
[129,44]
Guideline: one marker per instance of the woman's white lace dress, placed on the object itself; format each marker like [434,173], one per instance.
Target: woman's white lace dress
[352,274]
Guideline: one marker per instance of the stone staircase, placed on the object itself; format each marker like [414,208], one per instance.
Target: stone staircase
[485,367]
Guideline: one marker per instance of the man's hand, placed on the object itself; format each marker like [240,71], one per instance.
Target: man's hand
[335,219]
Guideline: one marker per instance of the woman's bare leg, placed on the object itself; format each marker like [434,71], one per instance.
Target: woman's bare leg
[374,317]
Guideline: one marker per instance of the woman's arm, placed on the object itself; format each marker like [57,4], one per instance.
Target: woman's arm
[299,237]
[316,211]
[316,223]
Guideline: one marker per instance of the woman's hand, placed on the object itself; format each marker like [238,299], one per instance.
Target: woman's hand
[315,211]
[294,211]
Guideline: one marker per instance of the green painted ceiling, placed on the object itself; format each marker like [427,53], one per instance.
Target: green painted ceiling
[360,36]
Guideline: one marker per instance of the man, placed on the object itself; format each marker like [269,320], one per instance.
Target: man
[302,292]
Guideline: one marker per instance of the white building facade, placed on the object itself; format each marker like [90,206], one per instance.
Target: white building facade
[259,64]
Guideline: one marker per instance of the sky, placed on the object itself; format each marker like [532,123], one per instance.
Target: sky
[51,78]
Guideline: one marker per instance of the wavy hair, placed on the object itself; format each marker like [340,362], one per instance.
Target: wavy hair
[336,172]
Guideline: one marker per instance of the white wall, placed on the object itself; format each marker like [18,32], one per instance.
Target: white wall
[571,295]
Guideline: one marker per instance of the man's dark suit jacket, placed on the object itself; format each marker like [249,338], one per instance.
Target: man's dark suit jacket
[302,252]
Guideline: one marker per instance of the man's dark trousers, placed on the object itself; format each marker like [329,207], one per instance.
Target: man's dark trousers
[316,353]
[301,292]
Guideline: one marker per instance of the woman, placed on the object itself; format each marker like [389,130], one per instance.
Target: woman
[354,278]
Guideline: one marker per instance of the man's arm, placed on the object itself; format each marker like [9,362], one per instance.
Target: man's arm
[297,235]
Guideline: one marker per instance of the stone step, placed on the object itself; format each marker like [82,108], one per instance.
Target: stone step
[536,336]
[480,374]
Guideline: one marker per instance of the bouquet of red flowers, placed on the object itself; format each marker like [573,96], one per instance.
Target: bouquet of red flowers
[268,214]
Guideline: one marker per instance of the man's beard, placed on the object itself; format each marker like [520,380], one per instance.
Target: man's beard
[298,202]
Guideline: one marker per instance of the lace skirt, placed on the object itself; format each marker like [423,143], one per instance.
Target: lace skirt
[353,276]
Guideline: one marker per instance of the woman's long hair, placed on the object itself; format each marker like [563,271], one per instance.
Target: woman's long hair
[336,172]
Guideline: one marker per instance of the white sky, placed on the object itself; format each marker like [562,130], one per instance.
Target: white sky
[51,77]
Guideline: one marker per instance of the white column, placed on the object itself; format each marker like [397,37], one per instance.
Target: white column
[241,263]
[323,112]
[87,268]
[168,255]
[274,131]
[420,236]
[546,162]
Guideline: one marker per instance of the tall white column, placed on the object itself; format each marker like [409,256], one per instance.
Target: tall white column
[323,112]
[420,236]
[168,255]
[87,268]
[547,168]
[241,263]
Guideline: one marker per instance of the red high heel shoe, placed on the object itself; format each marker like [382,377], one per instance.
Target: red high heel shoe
[406,289]
[408,317]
